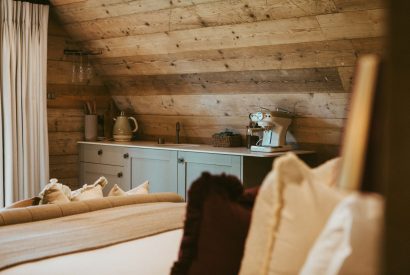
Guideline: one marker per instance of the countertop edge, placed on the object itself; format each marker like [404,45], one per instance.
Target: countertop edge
[200,148]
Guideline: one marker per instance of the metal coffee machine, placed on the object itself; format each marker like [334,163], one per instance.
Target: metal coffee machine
[274,125]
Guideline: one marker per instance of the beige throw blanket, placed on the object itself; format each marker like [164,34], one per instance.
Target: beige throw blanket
[38,240]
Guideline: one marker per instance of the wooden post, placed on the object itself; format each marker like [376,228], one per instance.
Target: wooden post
[395,155]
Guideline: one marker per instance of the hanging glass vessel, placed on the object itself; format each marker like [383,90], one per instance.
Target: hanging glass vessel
[74,74]
[81,70]
[89,72]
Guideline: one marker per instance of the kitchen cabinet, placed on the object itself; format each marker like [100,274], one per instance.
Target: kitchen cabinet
[166,170]
[170,168]
[192,164]
[159,167]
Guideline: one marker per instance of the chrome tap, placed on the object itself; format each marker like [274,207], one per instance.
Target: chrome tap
[178,128]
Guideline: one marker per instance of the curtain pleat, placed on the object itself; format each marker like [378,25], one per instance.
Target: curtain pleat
[43,125]
[23,99]
[1,112]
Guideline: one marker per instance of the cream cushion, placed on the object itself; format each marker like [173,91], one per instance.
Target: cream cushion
[88,192]
[53,195]
[350,242]
[328,173]
[55,192]
[143,188]
[116,191]
[292,207]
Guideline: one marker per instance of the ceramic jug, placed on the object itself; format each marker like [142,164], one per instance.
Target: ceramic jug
[122,129]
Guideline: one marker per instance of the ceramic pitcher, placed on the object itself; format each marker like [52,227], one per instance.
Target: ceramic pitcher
[122,129]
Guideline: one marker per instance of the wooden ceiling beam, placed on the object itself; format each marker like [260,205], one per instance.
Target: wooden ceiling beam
[278,32]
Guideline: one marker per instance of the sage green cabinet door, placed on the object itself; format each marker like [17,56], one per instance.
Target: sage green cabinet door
[159,167]
[192,164]
[90,172]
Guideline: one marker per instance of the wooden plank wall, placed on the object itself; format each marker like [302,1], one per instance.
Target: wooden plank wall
[65,111]
[208,63]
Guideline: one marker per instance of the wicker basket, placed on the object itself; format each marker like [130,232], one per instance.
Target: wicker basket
[221,140]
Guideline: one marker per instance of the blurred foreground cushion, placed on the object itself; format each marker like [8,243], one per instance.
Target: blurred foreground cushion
[292,207]
[216,226]
[351,241]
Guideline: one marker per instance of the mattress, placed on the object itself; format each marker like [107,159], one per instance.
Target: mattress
[150,255]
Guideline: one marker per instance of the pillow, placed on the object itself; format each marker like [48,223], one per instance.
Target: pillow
[55,192]
[116,191]
[216,225]
[24,203]
[88,192]
[143,188]
[351,241]
[328,173]
[292,207]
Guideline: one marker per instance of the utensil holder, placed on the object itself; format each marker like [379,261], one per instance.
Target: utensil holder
[90,127]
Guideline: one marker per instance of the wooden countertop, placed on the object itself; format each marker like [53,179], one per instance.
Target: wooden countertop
[202,148]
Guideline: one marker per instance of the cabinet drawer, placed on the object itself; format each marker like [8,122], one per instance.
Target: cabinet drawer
[90,172]
[102,154]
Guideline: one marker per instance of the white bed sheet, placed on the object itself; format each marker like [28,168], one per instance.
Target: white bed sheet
[150,255]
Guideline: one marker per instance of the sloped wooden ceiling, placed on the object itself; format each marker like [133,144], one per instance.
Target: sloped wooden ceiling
[208,63]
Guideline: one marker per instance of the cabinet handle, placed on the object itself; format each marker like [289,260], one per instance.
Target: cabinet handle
[126,155]
[181,160]
[119,174]
[100,152]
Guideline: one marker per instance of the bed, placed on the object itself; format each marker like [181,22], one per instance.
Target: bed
[109,235]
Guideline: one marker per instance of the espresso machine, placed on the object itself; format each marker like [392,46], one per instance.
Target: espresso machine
[274,125]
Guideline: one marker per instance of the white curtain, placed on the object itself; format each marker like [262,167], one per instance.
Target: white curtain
[23,100]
